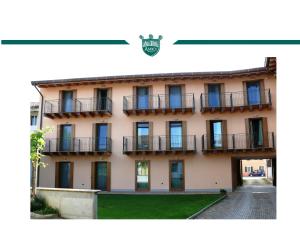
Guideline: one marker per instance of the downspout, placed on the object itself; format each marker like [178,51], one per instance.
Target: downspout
[40,127]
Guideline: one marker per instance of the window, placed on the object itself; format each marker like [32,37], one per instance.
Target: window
[176,175]
[67,101]
[175,135]
[33,120]
[253,93]
[101,137]
[256,132]
[175,96]
[142,136]
[248,169]
[216,134]
[214,94]
[64,175]
[261,168]
[101,99]
[101,178]
[142,175]
[142,97]
[66,138]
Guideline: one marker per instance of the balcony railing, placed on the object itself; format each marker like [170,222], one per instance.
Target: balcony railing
[231,101]
[158,104]
[78,145]
[237,142]
[79,106]
[159,144]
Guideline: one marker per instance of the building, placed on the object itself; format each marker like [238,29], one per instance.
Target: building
[34,115]
[158,132]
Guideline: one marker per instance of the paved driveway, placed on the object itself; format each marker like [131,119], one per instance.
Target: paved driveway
[247,202]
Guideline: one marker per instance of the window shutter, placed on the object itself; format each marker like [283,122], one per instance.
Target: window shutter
[71,174]
[58,137]
[93,178]
[208,135]
[109,101]
[95,100]
[151,136]
[108,176]
[150,97]
[224,134]
[184,97]
[57,174]
[73,138]
[265,132]
[94,137]
[74,100]
[108,136]
[134,138]
[205,95]
[167,93]
[184,135]
[247,133]
[167,135]
[134,97]
[245,93]
[60,101]
[262,92]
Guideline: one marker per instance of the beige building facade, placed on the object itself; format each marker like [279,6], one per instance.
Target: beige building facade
[159,132]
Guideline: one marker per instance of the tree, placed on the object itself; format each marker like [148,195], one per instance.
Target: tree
[37,144]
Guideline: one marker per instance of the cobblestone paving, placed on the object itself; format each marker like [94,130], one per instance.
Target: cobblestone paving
[247,202]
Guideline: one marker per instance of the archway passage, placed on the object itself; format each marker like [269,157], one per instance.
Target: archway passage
[253,171]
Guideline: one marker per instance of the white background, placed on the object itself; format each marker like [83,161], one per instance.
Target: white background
[127,20]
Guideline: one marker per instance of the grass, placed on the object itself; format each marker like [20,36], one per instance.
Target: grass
[122,206]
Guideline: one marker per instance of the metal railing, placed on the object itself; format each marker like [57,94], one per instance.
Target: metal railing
[78,144]
[235,99]
[237,141]
[159,143]
[79,105]
[160,101]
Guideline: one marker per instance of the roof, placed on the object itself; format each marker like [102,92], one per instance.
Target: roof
[269,68]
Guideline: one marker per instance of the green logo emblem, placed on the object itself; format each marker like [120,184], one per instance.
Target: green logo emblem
[151,46]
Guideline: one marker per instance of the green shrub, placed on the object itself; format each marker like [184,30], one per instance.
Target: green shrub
[47,210]
[37,203]
[223,191]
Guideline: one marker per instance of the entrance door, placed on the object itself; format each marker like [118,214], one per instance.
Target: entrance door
[64,174]
[175,96]
[176,175]
[66,138]
[142,176]
[256,133]
[67,101]
[101,139]
[101,181]
[101,99]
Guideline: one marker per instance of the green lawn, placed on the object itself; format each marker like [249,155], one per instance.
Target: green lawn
[121,206]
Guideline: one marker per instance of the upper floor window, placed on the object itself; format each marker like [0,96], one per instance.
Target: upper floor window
[175,96]
[214,95]
[216,134]
[66,137]
[142,135]
[176,135]
[253,92]
[101,137]
[101,101]
[33,120]
[67,101]
[142,94]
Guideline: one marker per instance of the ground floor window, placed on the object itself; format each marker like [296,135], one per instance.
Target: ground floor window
[176,175]
[101,175]
[64,175]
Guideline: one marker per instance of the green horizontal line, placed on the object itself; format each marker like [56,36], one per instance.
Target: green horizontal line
[64,42]
[237,42]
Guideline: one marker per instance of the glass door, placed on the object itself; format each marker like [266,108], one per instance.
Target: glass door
[214,94]
[101,99]
[101,138]
[142,136]
[253,93]
[67,101]
[101,176]
[175,135]
[142,176]
[64,174]
[216,134]
[66,138]
[176,176]
[256,133]
[142,97]
[175,97]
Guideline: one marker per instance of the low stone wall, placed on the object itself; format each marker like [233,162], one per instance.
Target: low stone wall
[71,203]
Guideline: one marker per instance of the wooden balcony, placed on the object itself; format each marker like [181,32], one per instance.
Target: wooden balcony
[235,143]
[155,104]
[81,107]
[78,146]
[159,145]
[235,101]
